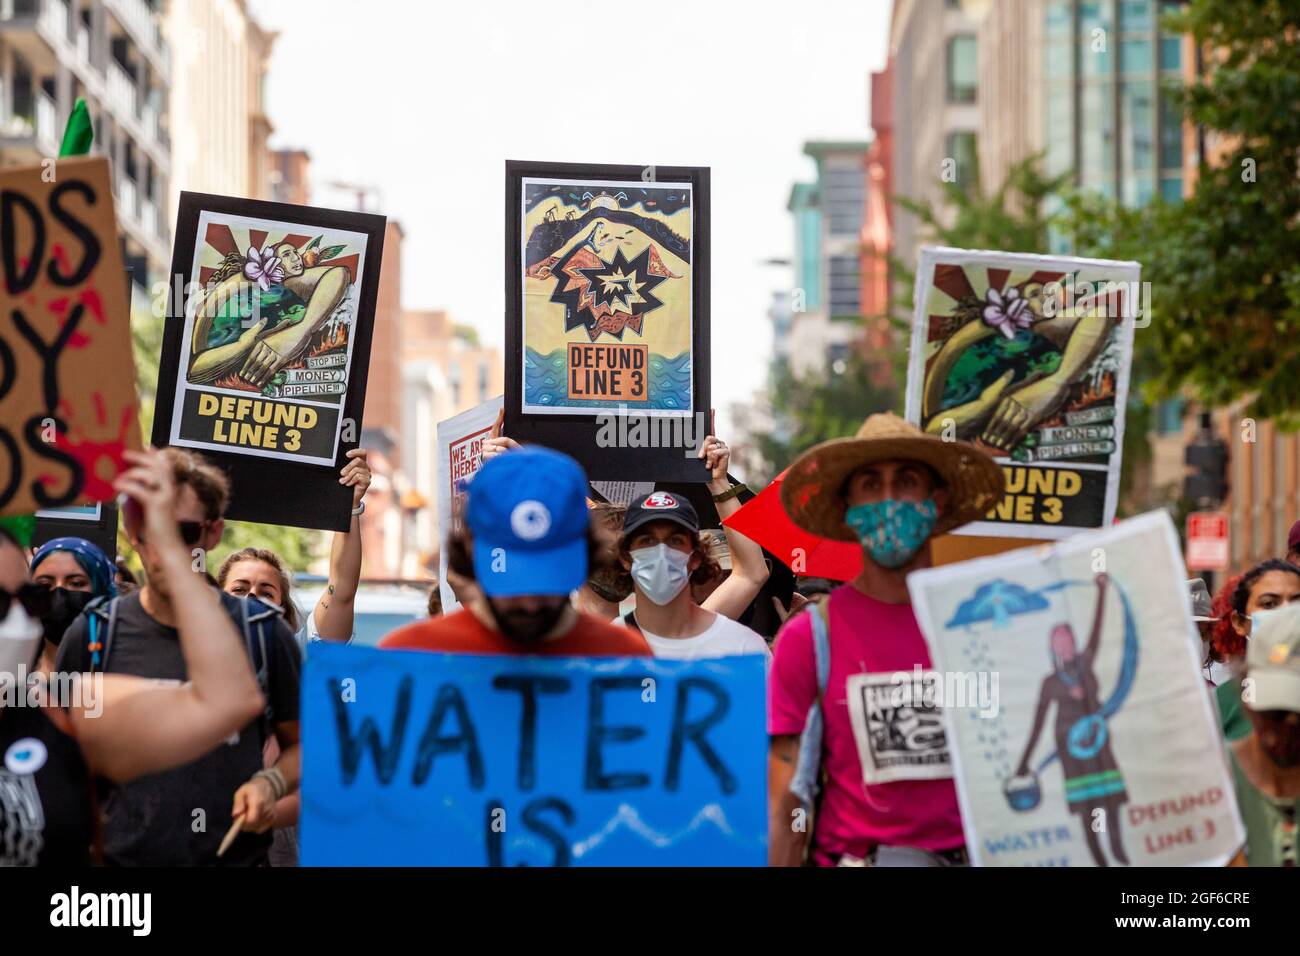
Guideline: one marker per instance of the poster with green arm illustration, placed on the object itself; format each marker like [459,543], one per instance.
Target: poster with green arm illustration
[1028,358]
[266,349]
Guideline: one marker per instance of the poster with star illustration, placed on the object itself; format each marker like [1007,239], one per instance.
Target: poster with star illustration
[607,315]
[1027,357]
[266,348]
[607,296]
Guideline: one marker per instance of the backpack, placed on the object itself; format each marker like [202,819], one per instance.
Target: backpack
[807,781]
[256,622]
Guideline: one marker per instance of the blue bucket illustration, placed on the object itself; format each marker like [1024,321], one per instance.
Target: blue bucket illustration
[1023,793]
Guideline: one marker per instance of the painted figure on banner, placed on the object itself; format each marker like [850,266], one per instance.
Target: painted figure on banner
[1094,786]
[1020,364]
[274,318]
[607,296]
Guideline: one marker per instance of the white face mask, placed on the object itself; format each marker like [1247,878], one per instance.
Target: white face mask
[20,636]
[660,572]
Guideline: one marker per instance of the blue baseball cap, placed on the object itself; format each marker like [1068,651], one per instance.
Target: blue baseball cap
[527,513]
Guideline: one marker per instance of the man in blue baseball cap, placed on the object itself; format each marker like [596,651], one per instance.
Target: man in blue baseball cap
[525,542]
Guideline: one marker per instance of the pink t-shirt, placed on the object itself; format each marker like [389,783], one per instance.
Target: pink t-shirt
[884,751]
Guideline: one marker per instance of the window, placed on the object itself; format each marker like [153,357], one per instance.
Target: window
[961,148]
[963,69]
[1171,188]
[844,196]
[1171,54]
[1169,417]
[1171,136]
[845,286]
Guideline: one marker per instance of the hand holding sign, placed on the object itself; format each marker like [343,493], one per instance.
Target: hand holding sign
[496,443]
[357,474]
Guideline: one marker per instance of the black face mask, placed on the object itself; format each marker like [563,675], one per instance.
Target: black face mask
[65,607]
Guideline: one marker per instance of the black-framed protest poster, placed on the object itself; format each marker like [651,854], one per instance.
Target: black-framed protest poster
[607,315]
[266,350]
[95,523]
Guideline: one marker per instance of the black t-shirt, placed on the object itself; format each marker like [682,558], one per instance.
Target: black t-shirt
[46,806]
[179,817]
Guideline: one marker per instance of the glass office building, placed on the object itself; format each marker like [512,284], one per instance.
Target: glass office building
[1106,118]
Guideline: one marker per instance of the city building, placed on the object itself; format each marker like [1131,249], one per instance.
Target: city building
[111,53]
[445,371]
[933,76]
[218,110]
[826,303]
[290,176]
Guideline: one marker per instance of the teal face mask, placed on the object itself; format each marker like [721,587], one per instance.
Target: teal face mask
[892,531]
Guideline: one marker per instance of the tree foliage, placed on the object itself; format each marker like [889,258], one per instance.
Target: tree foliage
[1224,264]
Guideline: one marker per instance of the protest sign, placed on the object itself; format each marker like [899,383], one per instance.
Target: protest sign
[416,759]
[266,350]
[95,523]
[460,456]
[607,315]
[68,406]
[1080,727]
[1028,357]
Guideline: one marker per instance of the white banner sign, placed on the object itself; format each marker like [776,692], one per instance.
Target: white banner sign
[460,455]
[1099,744]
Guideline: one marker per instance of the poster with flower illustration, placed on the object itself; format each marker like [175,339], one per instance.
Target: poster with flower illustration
[1027,357]
[268,341]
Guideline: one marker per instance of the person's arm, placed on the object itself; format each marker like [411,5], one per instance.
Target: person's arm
[259,798]
[748,569]
[139,726]
[334,613]
[1040,716]
[1094,639]
[787,831]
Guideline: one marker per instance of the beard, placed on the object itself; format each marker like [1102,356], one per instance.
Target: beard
[1283,748]
[527,627]
[613,586]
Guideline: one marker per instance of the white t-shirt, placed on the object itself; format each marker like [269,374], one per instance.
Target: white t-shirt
[723,638]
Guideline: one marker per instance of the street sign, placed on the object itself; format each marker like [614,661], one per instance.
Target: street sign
[1207,541]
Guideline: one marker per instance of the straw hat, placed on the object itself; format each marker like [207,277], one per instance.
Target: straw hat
[810,490]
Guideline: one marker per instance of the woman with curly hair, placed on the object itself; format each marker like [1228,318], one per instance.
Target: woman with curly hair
[1269,584]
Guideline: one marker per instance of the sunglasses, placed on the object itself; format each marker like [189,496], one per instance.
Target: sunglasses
[36,600]
[133,516]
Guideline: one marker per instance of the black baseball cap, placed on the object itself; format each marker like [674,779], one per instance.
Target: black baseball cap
[661,506]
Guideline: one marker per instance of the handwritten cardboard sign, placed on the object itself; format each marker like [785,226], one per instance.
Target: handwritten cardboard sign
[68,405]
[415,759]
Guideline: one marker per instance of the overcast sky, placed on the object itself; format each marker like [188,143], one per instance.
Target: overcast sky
[426,101]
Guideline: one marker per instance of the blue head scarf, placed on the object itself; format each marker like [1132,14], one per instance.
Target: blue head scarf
[93,561]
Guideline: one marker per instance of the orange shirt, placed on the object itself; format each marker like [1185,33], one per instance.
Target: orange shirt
[463,633]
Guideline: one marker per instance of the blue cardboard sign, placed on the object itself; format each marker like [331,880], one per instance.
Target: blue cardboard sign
[420,759]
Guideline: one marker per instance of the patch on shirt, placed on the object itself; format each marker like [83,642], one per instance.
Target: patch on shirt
[899,733]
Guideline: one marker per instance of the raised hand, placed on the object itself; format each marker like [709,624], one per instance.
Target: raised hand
[357,474]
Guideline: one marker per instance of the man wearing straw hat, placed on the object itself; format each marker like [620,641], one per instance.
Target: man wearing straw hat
[842,712]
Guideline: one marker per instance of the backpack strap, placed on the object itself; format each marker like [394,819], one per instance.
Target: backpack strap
[254,617]
[804,784]
[101,627]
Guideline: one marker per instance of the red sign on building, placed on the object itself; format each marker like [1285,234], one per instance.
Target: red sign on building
[1207,541]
